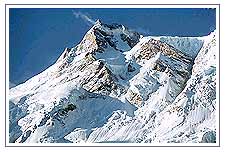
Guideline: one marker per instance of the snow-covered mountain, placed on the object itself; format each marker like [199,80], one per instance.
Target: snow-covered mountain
[118,86]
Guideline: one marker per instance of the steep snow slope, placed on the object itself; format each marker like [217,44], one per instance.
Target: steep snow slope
[117,87]
[196,105]
[190,117]
[36,105]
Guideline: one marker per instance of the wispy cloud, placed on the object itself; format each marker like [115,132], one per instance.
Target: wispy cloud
[90,21]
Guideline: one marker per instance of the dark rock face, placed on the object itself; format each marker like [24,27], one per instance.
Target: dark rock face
[152,47]
[209,137]
[106,36]
[102,36]
[98,39]
[168,60]
[94,75]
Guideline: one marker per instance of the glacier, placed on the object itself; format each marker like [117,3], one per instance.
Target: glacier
[119,86]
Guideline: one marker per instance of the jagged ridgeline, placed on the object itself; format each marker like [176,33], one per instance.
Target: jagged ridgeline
[119,86]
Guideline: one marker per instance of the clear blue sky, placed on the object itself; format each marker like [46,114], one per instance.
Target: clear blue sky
[39,36]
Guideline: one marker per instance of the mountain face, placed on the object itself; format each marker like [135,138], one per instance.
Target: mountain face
[118,86]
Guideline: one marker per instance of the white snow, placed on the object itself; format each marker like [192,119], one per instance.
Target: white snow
[149,104]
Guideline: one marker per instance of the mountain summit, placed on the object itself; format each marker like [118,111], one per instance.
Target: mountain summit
[118,86]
